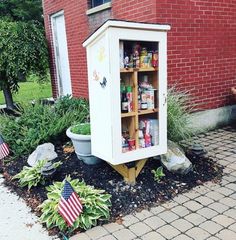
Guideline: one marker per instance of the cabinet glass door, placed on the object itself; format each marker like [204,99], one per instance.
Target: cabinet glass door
[139,83]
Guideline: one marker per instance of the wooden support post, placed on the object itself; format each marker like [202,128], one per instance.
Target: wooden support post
[130,174]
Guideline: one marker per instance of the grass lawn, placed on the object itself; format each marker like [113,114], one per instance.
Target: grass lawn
[30,91]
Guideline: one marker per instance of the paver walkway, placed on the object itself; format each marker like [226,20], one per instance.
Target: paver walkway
[206,212]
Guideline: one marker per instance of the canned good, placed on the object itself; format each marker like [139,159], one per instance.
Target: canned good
[131,143]
[125,148]
[150,98]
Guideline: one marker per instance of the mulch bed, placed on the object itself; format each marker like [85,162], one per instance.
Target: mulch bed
[125,198]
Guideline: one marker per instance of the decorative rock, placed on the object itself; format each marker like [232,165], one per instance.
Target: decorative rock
[175,160]
[45,151]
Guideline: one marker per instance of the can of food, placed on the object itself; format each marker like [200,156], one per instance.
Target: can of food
[150,98]
[125,148]
[131,143]
[149,59]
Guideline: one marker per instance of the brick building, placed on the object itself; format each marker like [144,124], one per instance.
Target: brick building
[201,43]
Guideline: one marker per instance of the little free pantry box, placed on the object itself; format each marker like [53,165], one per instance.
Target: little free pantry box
[127,79]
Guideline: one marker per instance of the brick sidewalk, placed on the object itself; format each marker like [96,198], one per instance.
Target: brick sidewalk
[205,212]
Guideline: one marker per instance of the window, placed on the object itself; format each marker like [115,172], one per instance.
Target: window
[96,3]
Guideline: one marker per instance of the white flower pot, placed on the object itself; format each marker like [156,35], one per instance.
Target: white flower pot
[82,145]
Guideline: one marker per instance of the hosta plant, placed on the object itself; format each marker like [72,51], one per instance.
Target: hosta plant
[32,176]
[158,174]
[96,205]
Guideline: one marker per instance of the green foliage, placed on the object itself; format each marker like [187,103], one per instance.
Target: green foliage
[40,124]
[23,49]
[95,206]
[82,128]
[178,116]
[32,176]
[158,174]
[21,10]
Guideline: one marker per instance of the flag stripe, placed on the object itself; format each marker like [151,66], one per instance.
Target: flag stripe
[78,206]
[70,210]
[70,201]
[65,207]
[66,214]
[63,214]
[76,202]
[4,149]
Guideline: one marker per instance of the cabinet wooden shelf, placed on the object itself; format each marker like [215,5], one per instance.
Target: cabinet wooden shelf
[129,114]
[130,70]
[148,111]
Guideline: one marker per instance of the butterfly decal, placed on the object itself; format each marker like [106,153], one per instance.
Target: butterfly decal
[96,76]
[103,83]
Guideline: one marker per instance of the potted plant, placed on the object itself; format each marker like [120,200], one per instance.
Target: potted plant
[81,139]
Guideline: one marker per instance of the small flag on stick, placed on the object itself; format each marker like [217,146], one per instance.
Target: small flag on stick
[70,205]
[4,149]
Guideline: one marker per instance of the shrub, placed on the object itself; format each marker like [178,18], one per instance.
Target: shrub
[39,124]
[32,176]
[95,206]
[178,116]
[83,129]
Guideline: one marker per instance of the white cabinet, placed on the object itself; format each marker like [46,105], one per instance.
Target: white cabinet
[127,74]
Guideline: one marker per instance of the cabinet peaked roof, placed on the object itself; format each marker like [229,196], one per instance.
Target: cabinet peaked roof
[125,24]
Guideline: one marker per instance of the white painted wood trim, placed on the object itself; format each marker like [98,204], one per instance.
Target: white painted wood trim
[54,15]
[52,20]
[123,24]
[99,8]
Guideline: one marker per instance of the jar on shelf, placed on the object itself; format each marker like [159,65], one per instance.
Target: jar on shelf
[129,95]
[143,58]
[155,59]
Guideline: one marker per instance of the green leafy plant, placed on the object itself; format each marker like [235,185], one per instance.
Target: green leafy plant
[39,124]
[31,176]
[83,128]
[178,115]
[158,174]
[23,49]
[95,203]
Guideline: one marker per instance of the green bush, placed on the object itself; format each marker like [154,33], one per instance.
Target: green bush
[95,203]
[178,116]
[83,129]
[39,124]
[32,176]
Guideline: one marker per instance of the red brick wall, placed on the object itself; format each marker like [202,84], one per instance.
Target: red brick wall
[201,43]
[76,30]
[201,48]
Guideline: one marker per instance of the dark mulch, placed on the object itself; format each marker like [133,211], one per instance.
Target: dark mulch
[125,198]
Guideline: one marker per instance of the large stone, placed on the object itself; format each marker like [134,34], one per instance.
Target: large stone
[175,160]
[45,151]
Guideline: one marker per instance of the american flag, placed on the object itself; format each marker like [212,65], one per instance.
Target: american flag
[4,149]
[70,205]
